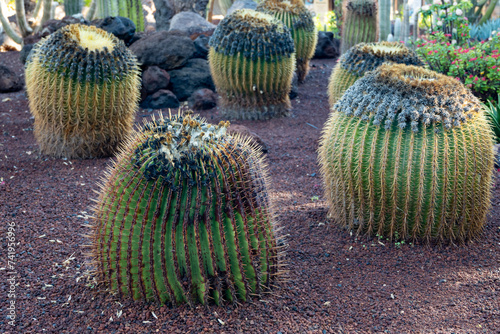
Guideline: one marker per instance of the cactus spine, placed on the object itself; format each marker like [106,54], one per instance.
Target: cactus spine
[72,7]
[83,87]
[295,15]
[366,57]
[184,216]
[360,23]
[408,153]
[252,62]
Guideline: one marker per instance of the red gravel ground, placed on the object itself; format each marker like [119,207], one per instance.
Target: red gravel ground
[337,283]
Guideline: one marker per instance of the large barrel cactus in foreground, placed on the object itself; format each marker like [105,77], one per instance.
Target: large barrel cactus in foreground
[408,154]
[360,23]
[252,62]
[365,57]
[184,216]
[83,87]
[295,15]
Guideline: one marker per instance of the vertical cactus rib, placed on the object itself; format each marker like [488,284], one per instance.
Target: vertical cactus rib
[406,153]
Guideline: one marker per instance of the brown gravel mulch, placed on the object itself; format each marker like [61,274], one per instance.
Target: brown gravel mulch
[337,283]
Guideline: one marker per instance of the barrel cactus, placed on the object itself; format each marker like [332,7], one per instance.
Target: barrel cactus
[252,62]
[295,15]
[365,57]
[360,23]
[83,88]
[184,216]
[408,154]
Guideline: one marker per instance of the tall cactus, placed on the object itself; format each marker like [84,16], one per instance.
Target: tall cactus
[384,19]
[295,15]
[366,57]
[72,7]
[408,153]
[252,62]
[360,23]
[131,9]
[83,87]
[184,216]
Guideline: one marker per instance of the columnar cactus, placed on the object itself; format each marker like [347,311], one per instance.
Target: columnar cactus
[360,23]
[366,57]
[72,7]
[295,15]
[131,9]
[408,154]
[184,216]
[252,62]
[83,88]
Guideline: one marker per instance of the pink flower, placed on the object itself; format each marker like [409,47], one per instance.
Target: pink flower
[494,66]
[448,44]
[435,51]
[494,51]
[472,59]
[430,52]
[470,76]
[469,85]
[476,79]
[453,62]
[483,78]
[447,35]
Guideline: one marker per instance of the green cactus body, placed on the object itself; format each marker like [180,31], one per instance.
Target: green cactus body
[184,217]
[252,62]
[360,23]
[83,87]
[72,7]
[408,154]
[131,9]
[366,57]
[295,15]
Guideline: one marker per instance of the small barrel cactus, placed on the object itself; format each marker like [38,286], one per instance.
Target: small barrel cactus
[295,15]
[252,62]
[83,88]
[360,23]
[184,216]
[365,57]
[408,154]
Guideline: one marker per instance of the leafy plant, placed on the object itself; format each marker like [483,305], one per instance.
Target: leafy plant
[331,25]
[492,110]
[482,32]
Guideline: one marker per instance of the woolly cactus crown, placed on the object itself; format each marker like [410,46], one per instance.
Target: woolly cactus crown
[366,57]
[178,143]
[85,53]
[302,17]
[362,7]
[254,34]
[412,95]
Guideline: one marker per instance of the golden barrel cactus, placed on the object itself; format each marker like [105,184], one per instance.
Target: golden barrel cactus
[252,62]
[184,216]
[295,15]
[407,153]
[365,57]
[83,89]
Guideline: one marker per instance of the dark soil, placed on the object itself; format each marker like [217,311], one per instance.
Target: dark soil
[337,283]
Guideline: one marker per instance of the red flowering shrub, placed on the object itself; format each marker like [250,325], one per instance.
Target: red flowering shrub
[476,65]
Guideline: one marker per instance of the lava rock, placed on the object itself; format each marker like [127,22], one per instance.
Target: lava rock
[9,81]
[246,132]
[163,14]
[192,24]
[327,47]
[154,79]
[201,46]
[195,75]
[25,51]
[121,27]
[165,49]
[161,99]
[240,4]
[202,99]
